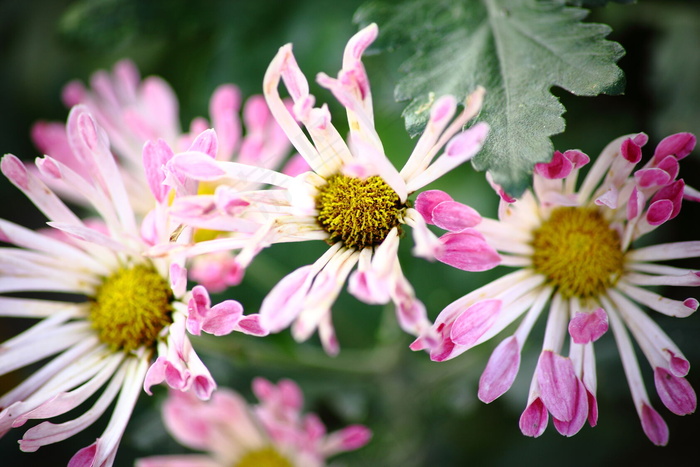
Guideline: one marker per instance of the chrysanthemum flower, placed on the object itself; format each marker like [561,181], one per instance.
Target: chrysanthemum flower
[134,111]
[575,259]
[123,325]
[354,198]
[275,433]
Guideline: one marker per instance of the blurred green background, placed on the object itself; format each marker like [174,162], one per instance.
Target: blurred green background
[422,413]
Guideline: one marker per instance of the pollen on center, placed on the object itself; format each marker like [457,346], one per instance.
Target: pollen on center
[131,307]
[578,252]
[358,212]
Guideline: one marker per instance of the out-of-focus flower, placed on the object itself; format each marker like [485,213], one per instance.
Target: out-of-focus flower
[354,199]
[123,325]
[134,111]
[573,250]
[275,433]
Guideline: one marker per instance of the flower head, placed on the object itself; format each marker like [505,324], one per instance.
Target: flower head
[353,198]
[274,433]
[127,328]
[574,254]
[135,112]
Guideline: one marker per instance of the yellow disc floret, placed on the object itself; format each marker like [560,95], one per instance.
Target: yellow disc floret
[578,252]
[265,457]
[131,307]
[360,213]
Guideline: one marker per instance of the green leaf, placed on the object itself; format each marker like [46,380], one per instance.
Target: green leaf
[517,50]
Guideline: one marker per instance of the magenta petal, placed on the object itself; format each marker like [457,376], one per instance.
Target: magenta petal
[592,409]
[581,413]
[679,145]
[679,366]
[353,437]
[559,167]
[588,327]
[473,322]
[454,216]
[631,151]
[654,426]
[500,371]
[534,419]
[468,251]
[659,212]
[558,385]
[673,193]
[426,202]
[675,392]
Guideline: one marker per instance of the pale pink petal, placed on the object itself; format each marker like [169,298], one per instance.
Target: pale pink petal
[284,302]
[558,385]
[467,250]
[474,322]
[250,324]
[587,327]
[454,216]
[675,392]
[155,156]
[500,371]
[346,439]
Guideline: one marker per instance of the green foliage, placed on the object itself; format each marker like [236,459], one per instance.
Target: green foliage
[517,50]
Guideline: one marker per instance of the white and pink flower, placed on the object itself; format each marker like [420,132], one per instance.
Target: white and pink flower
[233,433]
[353,198]
[128,331]
[574,257]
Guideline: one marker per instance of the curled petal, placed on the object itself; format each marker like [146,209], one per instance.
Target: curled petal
[678,145]
[558,385]
[653,425]
[588,327]
[426,202]
[534,419]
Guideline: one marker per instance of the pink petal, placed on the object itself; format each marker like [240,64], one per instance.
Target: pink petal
[15,170]
[206,142]
[673,193]
[678,145]
[581,414]
[650,177]
[473,322]
[223,318]
[500,371]
[558,385]
[84,457]
[454,216]
[155,156]
[284,302]
[534,419]
[675,392]
[250,324]
[196,165]
[678,365]
[588,327]
[467,250]
[426,201]
[654,426]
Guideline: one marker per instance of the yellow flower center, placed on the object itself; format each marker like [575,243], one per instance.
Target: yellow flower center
[359,213]
[131,307]
[578,252]
[265,457]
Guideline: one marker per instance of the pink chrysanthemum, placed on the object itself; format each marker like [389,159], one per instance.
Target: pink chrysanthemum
[354,199]
[134,111]
[573,250]
[275,433]
[128,331]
